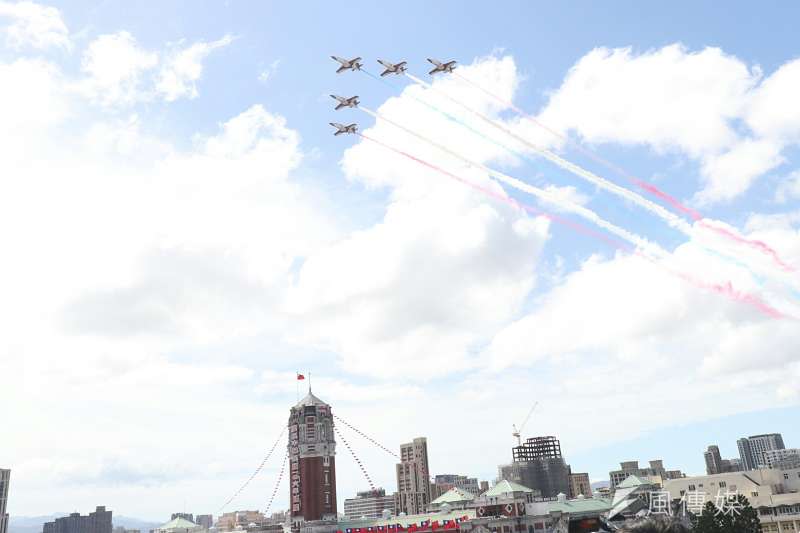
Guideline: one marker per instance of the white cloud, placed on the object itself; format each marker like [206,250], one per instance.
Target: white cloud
[34,25]
[445,265]
[691,103]
[121,73]
[115,64]
[182,68]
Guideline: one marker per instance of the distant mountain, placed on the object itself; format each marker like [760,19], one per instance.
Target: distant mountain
[33,524]
[134,523]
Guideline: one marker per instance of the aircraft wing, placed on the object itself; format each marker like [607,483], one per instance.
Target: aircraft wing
[434,71]
[434,62]
[339,106]
[355,59]
[337,125]
[385,72]
[384,63]
[401,64]
[341,69]
[339,59]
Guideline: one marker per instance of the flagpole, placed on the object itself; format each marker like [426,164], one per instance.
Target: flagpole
[297,384]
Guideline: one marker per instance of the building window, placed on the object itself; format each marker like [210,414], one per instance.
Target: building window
[327,498]
[722,484]
[691,487]
[785,476]
[327,478]
[754,494]
[326,461]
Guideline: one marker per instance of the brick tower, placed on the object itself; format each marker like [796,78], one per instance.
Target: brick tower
[312,462]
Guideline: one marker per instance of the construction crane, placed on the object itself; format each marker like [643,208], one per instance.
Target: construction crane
[518,432]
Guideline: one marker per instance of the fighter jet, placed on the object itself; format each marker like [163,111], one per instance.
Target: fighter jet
[441,67]
[392,68]
[341,128]
[352,64]
[345,102]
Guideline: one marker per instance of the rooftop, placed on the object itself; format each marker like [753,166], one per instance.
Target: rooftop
[505,487]
[179,523]
[310,399]
[454,495]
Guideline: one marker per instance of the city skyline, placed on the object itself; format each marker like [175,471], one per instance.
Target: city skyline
[182,232]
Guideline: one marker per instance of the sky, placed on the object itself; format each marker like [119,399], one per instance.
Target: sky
[182,234]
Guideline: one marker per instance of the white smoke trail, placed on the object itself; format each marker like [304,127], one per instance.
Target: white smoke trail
[670,218]
[588,214]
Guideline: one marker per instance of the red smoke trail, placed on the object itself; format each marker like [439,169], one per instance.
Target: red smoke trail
[649,187]
[724,289]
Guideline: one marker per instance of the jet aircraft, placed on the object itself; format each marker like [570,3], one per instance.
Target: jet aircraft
[341,128]
[441,67]
[345,102]
[392,68]
[348,64]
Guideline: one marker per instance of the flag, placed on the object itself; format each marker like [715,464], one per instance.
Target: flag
[435,525]
[300,376]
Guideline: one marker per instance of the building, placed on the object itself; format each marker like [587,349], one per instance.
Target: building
[715,464]
[312,462]
[100,521]
[368,504]
[579,485]
[773,493]
[239,519]
[205,520]
[656,473]
[751,449]
[785,459]
[179,524]
[445,482]
[185,516]
[413,481]
[538,464]
[5,482]
[454,498]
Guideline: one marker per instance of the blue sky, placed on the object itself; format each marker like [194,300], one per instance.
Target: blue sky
[184,233]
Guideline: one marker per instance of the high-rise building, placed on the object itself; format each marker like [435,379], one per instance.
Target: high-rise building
[751,449]
[579,484]
[5,481]
[205,520]
[369,504]
[786,459]
[715,464]
[713,460]
[445,482]
[413,479]
[538,465]
[99,521]
[312,462]
[655,474]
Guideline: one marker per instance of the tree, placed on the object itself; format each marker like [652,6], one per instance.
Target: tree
[737,516]
[706,522]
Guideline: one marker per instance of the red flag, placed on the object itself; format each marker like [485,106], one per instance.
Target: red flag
[300,376]
[435,525]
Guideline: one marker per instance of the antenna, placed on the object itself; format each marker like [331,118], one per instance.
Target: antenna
[518,432]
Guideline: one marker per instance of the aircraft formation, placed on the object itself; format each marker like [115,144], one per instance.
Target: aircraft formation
[772,282]
[397,69]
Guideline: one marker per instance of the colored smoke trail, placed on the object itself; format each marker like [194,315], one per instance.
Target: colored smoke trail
[453,118]
[723,289]
[494,194]
[649,187]
[758,278]
[670,218]
[579,210]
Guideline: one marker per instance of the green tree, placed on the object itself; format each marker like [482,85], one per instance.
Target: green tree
[743,520]
[738,516]
[707,521]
